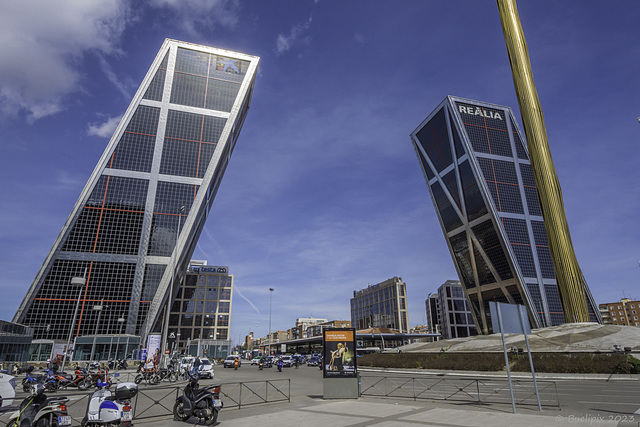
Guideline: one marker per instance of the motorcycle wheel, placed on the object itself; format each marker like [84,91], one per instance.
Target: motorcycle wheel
[26,387]
[138,379]
[213,415]
[44,422]
[84,384]
[155,379]
[173,377]
[178,412]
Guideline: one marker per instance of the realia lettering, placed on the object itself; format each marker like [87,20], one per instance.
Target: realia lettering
[477,111]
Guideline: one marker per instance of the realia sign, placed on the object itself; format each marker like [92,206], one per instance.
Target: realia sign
[477,111]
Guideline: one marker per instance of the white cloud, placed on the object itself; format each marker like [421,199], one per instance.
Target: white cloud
[106,129]
[42,44]
[195,15]
[284,43]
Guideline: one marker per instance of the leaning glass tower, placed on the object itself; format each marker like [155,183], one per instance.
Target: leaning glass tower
[481,183]
[138,219]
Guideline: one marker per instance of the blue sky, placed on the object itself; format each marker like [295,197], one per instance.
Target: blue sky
[323,193]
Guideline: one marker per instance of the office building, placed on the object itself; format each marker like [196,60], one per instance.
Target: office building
[201,309]
[624,312]
[130,236]
[381,306]
[479,176]
[454,318]
[434,322]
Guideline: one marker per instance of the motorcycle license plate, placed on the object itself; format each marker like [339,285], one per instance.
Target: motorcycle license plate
[126,415]
[217,403]
[64,420]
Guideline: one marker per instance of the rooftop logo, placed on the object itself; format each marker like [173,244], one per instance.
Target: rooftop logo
[212,269]
[478,111]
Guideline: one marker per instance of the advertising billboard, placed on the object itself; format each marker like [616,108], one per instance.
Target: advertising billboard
[339,353]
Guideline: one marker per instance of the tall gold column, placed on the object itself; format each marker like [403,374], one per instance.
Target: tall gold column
[571,283]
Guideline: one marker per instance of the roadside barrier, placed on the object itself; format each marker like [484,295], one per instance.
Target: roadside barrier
[158,400]
[480,391]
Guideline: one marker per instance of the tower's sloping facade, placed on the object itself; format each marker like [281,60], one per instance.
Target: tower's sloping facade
[477,168]
[138,219]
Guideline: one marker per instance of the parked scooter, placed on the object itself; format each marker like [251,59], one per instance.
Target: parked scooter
[203,403]
[29,380]
[39,410]
[105,408]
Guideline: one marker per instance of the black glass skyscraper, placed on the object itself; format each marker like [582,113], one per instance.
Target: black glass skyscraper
[138,219]
[479,176]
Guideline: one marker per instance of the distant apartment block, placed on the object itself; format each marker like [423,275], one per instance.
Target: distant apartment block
[624,312]
[381,306]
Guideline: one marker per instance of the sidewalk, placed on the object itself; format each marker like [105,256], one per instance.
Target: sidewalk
[384,412]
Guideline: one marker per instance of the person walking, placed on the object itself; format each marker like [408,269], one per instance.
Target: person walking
[196,366]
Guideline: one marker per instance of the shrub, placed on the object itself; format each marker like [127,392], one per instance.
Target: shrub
[443,361]
[581,363]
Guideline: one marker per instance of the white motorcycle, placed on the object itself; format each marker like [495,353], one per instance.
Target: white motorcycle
[106,408]
[39,410]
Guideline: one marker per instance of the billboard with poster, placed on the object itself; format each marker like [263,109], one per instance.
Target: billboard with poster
[339,353]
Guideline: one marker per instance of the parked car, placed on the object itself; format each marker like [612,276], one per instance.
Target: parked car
[206,368]
[186,363]
[7,389]
[313,361]
[230,360]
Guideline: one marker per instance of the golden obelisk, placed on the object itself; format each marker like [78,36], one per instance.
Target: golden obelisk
[571,283]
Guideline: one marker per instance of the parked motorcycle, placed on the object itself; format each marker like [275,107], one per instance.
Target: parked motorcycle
[202,403]
[82,380]
[29,380]
[39,410]
[106,408]
[149,375]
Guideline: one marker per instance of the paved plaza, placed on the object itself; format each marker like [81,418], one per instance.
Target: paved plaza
[582,400]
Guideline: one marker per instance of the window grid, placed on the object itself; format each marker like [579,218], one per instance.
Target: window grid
[111,221]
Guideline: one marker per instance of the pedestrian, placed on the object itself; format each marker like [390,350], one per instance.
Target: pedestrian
[196,366]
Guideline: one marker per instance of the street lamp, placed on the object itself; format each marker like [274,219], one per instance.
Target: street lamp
[121,321]
[270,295]
[80,282]
[99,309]
[173,273]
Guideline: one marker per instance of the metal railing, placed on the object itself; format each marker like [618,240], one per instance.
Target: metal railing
[479,391]
[255,392]
[157,400]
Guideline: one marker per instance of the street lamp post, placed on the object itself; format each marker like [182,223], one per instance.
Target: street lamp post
[121,321]
[95,334]
[270,294]
[77,281]
[173,273]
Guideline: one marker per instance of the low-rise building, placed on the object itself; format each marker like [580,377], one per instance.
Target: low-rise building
[624,312]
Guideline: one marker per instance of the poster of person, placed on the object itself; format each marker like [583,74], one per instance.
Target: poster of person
[153,351]
[339,353]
